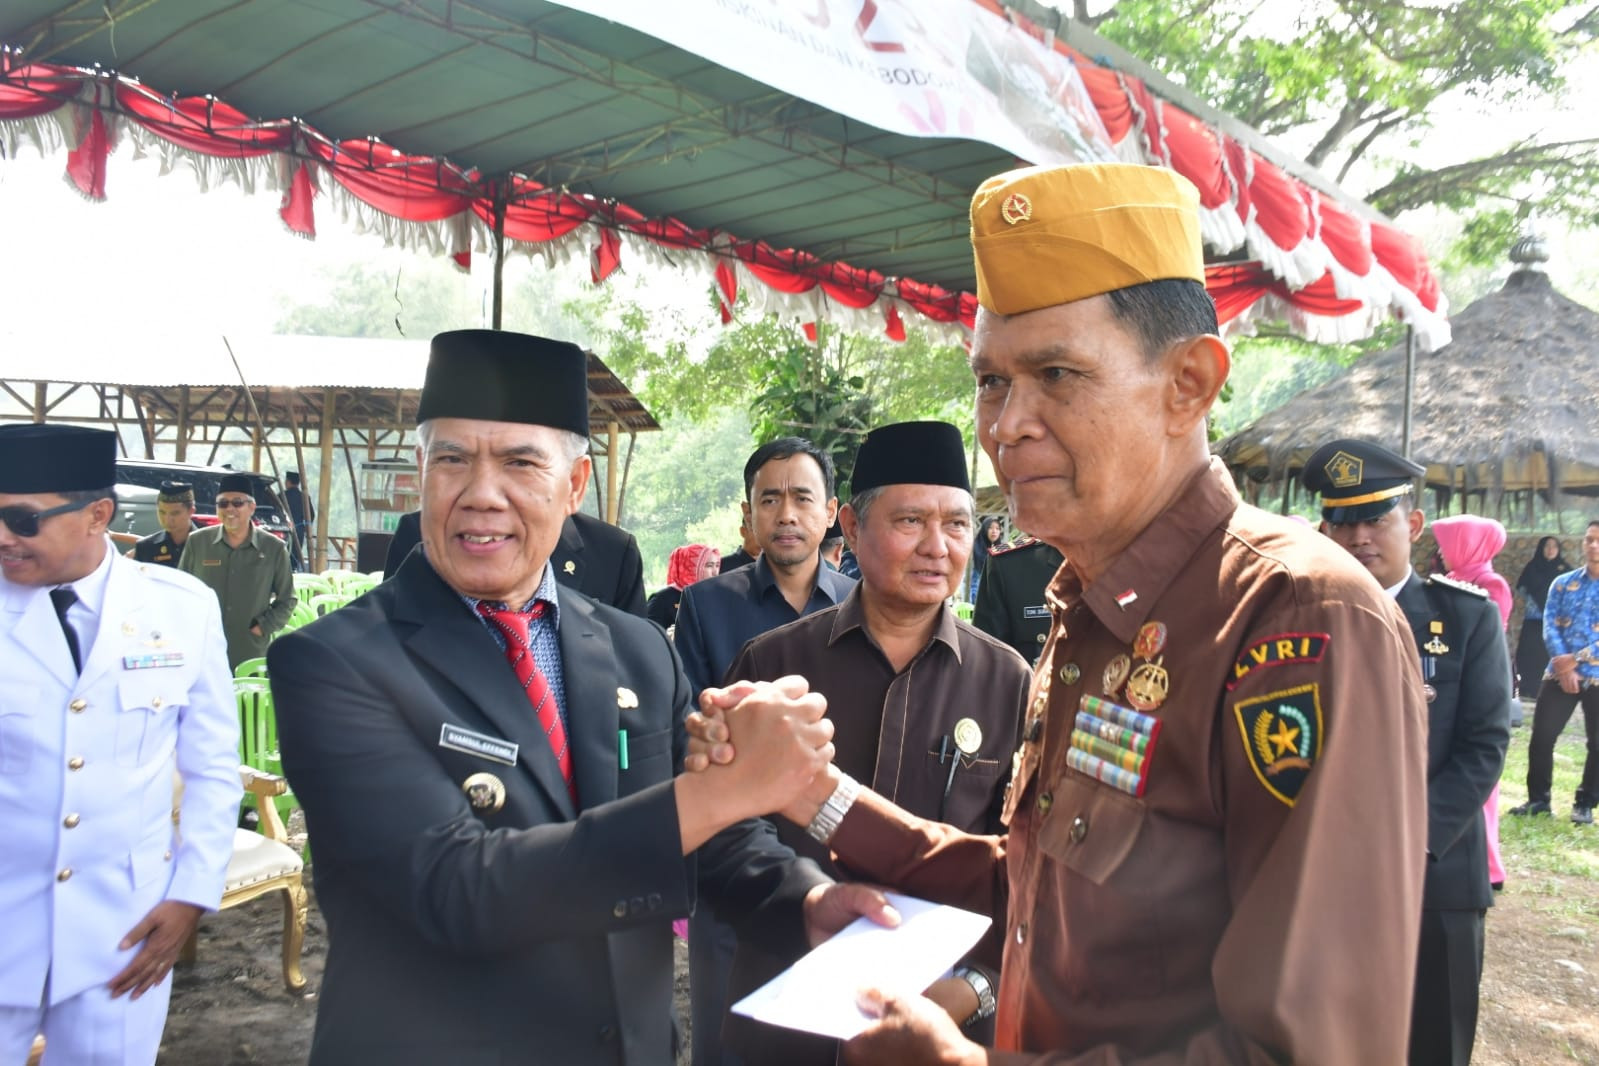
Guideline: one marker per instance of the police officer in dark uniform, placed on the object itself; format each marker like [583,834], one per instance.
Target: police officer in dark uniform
[174,508]
[1010,600]
[1366,496]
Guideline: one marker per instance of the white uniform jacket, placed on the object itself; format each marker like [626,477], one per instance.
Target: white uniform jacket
[86,782]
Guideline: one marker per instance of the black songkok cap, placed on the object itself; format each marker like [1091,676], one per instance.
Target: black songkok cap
[236,483]
[496,376]
[1359,481]
[56,458]
[176,492]
[911,453]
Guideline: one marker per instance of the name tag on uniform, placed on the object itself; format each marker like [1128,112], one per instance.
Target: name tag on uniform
[1041,611]
[210,562]
[480,744]
[152,661]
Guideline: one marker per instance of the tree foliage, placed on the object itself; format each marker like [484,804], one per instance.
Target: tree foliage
[1366,78]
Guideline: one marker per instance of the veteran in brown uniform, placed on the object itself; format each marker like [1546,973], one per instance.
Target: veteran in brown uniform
[925,707]
[1217,825]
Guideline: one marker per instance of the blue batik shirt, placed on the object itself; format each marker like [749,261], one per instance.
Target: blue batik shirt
[544,634]
[1571,623]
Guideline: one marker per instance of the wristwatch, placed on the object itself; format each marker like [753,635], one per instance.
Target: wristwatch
[825,823]
[983,990]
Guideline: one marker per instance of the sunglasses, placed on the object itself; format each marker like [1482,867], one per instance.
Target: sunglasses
[237,502]
[25,523]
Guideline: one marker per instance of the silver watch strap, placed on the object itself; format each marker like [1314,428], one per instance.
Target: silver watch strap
[827,819]
[982,988]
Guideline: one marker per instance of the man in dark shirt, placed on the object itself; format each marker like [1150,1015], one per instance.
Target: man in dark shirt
[925,707]
[748,549]
[174,509]
[302,513]
[789,503]
[1010,601]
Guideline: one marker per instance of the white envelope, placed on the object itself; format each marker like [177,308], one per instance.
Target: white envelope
[817,994]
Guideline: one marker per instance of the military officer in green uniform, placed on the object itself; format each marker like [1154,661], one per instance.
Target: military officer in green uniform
[1367,508]
[1010,601]
[174,509]
[248,569]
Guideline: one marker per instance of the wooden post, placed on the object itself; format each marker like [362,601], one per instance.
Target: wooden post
[501,194]
[324,482]
[611,484]
[182,453]
[41,397]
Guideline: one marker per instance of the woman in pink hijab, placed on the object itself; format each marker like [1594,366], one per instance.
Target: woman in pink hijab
[1468,544]
[688,564]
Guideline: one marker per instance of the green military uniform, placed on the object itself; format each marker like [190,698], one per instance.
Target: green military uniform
[158,548]
[1010,600]
[253,582]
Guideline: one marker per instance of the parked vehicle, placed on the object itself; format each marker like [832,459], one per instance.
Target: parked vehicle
[136,476]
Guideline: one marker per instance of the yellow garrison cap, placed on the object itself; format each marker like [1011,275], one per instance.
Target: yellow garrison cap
[1050,235]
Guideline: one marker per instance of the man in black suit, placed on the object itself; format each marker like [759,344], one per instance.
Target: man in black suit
[594,557]
[1366,508]
[514,899]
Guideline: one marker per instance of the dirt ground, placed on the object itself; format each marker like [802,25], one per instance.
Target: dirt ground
[1540,991]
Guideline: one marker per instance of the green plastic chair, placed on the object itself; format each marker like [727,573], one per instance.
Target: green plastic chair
[322,603]
[963,610]
[311,584]
[258,732]
[251,668]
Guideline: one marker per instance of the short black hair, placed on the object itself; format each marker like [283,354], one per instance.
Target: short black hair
[1591,523]
[1161,312]
[293,476]
[784,448]
[80,495]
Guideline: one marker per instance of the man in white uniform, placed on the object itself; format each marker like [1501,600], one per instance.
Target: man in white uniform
[112,673]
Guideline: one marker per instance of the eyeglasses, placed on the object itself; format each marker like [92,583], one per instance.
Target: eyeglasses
[25,523]
[234,502]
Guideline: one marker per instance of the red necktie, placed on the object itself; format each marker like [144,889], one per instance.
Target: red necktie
[515,626]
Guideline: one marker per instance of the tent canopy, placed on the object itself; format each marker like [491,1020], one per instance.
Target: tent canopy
[1509,406]
[818,158]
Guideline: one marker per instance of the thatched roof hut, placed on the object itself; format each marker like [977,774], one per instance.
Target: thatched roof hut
[1509,408]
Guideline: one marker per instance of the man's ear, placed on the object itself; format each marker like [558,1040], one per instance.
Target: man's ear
[1418,522]
[850,523]
[101,512]
[578,483]
[1198,367]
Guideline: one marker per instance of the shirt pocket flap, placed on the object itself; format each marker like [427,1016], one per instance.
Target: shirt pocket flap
[139,691]
[1090,828]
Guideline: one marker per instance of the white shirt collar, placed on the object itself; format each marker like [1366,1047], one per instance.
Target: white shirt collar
[1393,590]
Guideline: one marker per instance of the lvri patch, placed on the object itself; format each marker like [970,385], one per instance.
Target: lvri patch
[1282,733]
[1278,649]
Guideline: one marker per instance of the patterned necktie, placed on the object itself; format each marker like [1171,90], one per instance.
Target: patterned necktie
[516,627]
[64,598]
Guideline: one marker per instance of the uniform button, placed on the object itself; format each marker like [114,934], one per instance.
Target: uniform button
[607,1033]
[1021,933]
[1070,673]
[1079,829]
[1041,638]
[167,855]
[1039,704]
[75,763]
[620,910]
[71,821]
[1045,800]
[653,901]
[77,706]
[156,703]
[65,874]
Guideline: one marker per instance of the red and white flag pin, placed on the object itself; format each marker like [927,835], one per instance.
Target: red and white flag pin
[1126,599]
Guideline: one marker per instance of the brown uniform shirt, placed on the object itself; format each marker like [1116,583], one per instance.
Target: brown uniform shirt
[1252,890]
[893,732]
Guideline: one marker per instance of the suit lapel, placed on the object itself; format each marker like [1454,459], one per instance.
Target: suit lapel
[591,703]
[1412,600]
[571,567]
[30,620]
[461,648]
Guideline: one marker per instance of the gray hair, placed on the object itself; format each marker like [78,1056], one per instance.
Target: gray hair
[573,445]
[861,503]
